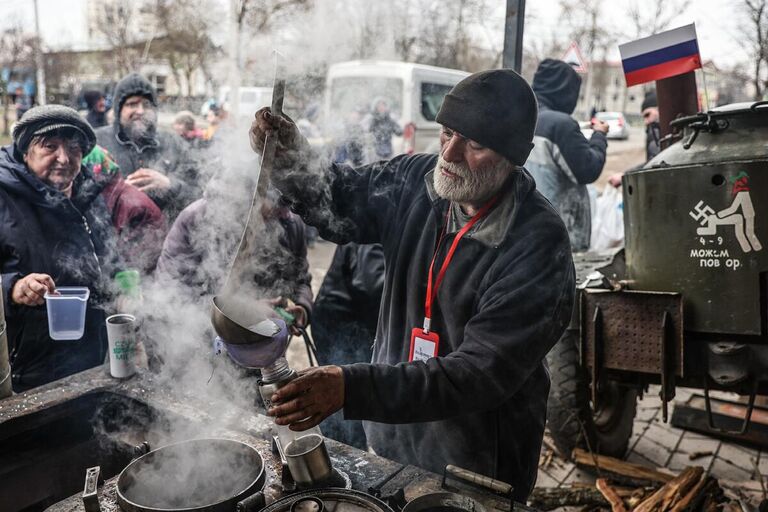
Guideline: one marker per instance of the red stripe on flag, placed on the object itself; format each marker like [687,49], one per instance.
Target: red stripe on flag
[664,70]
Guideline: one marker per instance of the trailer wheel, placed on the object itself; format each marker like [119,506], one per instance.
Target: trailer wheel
[571,418]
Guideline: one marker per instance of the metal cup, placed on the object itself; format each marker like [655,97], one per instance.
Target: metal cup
[121,335]
[308,460]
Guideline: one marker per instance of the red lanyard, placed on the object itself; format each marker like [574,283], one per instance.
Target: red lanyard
[432,292]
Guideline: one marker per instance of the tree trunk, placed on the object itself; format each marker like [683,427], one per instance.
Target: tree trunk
[188,72]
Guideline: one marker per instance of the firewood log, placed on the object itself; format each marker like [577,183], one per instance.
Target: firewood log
[617,505]
[671,492]
[630,470]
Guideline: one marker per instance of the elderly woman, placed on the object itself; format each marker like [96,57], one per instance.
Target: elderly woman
[54,231]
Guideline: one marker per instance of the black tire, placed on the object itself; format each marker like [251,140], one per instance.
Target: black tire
[571,419]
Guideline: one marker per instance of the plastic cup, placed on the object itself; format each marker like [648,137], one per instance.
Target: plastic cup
[121,334]
[66,312]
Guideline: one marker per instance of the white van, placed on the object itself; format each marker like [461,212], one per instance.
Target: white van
[250,99]
[414,91]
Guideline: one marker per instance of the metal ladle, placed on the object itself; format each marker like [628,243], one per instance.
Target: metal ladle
[234,315]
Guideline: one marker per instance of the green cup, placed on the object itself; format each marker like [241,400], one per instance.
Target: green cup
[129,283]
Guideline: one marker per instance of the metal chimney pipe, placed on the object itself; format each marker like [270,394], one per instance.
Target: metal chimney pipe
[677,97]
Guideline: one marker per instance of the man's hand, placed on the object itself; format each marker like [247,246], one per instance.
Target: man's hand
[30,289]
[310,398]
[300,318]
[148,179]
[290,142]
[600,126]
[299,314]
[615,179]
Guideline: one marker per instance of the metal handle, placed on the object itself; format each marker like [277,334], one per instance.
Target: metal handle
[244,248]
[90,491]
[141,449]
[478,479]
[252,503]
[270,144]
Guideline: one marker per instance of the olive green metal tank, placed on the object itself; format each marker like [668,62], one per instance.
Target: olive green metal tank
[696,220]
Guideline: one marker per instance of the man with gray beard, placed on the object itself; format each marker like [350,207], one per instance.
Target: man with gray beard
[479,285]
[156,162]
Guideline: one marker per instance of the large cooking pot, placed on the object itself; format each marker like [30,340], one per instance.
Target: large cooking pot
[201,475]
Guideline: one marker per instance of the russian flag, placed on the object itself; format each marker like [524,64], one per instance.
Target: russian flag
[669,53]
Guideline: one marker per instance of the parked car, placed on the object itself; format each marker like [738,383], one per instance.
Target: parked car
[618,127]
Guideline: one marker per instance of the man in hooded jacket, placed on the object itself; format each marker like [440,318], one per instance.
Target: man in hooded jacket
[156,162]
[563,162]
[55,230]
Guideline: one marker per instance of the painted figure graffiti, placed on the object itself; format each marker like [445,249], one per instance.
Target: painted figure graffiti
[740,214]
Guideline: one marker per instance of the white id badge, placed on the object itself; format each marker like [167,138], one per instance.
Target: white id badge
[423,345]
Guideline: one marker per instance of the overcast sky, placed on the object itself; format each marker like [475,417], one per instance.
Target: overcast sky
[717,24]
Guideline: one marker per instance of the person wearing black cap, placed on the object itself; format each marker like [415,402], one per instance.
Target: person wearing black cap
[56,231]
[563,161]
[479,285]
[650,112]
[156,162]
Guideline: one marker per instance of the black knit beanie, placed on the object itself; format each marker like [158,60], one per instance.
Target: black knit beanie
[495,108]
[649,101]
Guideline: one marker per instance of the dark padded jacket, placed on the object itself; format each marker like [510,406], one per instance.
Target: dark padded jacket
[198,250]
[563,162]
[504,302]
[352,287]
[41,231]
[162,151]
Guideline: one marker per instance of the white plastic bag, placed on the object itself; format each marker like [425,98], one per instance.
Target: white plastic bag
[608,222]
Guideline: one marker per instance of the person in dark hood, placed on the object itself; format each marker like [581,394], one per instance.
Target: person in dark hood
[478,286]
[156,162]
[380,123]
[563,162]
[55,232]
[650,112]
[97,108]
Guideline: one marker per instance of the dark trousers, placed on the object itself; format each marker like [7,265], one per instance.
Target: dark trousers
[341,342]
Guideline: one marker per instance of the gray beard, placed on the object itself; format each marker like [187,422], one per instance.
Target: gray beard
[139,129]
[472,187]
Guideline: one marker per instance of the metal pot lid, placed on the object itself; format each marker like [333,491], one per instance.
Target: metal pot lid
[329,500]
[195,475]
[443,502]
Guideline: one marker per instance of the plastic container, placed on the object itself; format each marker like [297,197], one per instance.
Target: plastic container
[66,312]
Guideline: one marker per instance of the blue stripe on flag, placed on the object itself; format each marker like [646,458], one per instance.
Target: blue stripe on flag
[660,56]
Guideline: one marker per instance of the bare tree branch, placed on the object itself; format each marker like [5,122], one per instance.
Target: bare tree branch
[16,47]
[656,19]
[756,13]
